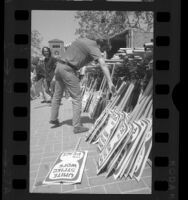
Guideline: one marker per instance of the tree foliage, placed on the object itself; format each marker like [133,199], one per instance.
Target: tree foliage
[36,40]
[107,23]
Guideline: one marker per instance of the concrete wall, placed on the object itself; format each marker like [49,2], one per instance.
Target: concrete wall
[139,38]
[57,50]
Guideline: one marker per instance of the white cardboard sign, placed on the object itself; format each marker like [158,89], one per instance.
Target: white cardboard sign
[67,169]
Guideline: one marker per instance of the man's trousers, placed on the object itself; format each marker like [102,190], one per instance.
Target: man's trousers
[66,79]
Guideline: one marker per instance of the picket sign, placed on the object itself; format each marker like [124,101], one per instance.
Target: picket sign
[136,127]
[86,95]
[110,156]
[100,127]
[99,91]
[114,120]
[83,89]
[122,136]
[123,149]
[123,139]
[146,111]
[130,163]
[110,128]
[142,102]
[143,153]
[140,128]
[135,152]
[110,123]
[90,95]
[98,97]
[146,114]
[104,115]
[68,168]
[143,156]
[112,75]
[93,104]
[150,112]
[143,107]
[113,163]
[148,89]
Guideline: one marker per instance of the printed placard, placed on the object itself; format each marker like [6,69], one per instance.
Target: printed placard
[109,137]
[109,129]
[140,127]
[98,129]
[124,132]
[67,169]
[130,164]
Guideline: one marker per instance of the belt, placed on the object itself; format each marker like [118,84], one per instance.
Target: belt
[66,63]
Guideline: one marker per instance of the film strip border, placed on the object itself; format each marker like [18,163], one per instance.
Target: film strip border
[17,101]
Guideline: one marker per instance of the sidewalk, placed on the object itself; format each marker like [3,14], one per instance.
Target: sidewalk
[47,143]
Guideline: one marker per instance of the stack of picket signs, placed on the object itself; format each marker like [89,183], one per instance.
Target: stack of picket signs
[123,131]
[95,99]
[87,90]
[94,96]
[103,96]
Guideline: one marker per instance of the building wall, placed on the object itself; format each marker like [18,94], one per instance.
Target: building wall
[57,49]
[140,38]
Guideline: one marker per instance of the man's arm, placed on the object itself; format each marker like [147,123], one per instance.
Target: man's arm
[107,74]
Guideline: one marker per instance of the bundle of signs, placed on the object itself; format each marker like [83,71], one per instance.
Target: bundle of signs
[123,127]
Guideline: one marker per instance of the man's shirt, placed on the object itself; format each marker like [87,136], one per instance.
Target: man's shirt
[81,52]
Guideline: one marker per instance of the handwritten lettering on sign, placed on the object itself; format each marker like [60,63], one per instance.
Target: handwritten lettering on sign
[68,168]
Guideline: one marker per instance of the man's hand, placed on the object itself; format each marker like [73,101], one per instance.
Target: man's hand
[107,75]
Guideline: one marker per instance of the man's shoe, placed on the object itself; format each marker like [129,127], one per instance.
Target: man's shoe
[80,129]
[55,122]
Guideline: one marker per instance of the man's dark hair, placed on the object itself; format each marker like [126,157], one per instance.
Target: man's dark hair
[47,49]
[103,43]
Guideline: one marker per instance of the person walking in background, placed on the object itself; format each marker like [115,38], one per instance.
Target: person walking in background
[38,77]
[49,66]
[80,53]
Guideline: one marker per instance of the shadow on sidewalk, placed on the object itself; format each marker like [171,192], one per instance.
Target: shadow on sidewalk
[84,120]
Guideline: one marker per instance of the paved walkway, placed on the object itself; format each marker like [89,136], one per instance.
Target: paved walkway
[47,143]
